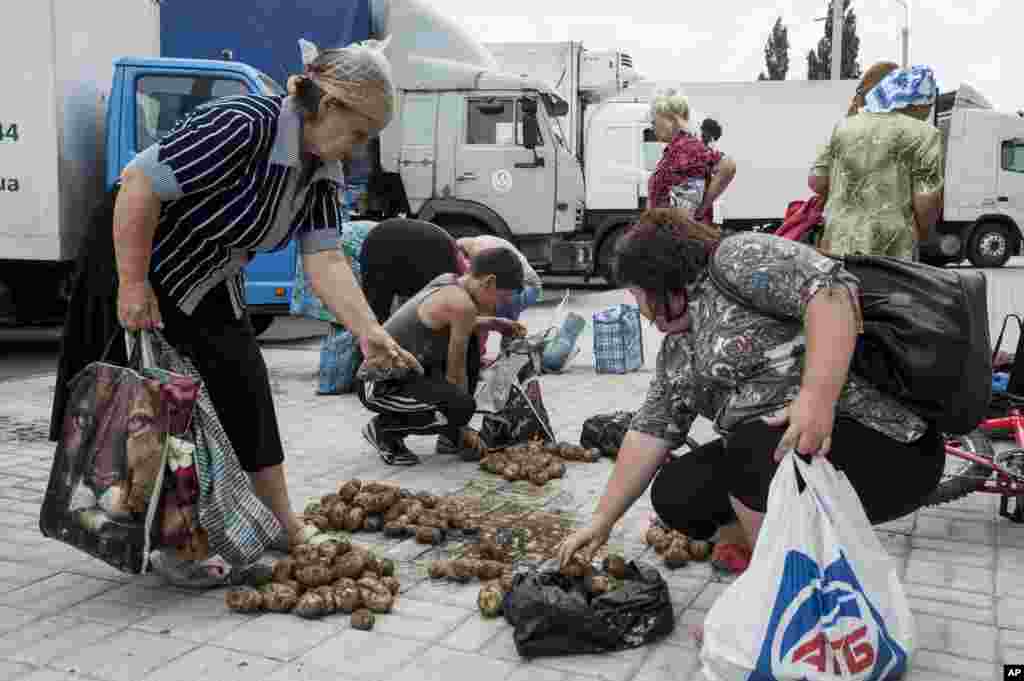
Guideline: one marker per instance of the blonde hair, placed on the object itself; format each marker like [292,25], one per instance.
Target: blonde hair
[872,77]
[358,76]
[671,103]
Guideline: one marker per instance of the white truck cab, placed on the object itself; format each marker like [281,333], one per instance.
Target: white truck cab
[983,211]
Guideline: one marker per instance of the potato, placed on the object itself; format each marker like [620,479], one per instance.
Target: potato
[354,519]
[490,600]
[396,511]
[440,569]
[344,546]
[352,564]
[244,599]
[362,619]
[336,516]
[429,535]
[395,530]
[284,569]
[427,499]
[329,552]
[295,586]
[319,521]
[652,536]
[305,554]
[429,518]
[330,599]
[555,469]
[664,543]
[372,564]
[577,567]
[615,566]
[349,598]
[328,500]
[462,570]
[413,512]
[699,550]
[539,478]
[507,580]
[349,490]
[488,570]
[512,472]
[378,601]
[676,556]
[312,576]
[597,584]
[392,584]
[344,582]
[492,550]
[280,598]
[311,606]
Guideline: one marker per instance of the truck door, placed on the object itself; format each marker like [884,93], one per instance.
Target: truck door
[494,167]
[417,159]
[1011,179]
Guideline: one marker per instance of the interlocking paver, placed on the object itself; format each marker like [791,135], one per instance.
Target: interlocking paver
[55,594]
[956,637]
[12,670]
[12,619]
[47,639]
[954,665]
[214,664]
[943,602]
[951,576]
[126,656]
[1011,613]
[669,663]
[280,637]
[441,664]
[193,619]
[618,666]
[474,633]
[369,655]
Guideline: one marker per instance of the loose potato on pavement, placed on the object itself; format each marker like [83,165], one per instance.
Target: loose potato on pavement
[312,576]
[354,519]
[490,600]
[362,619]
[279,598]
[349,490]
[349,598]
[352,564]
[700,550]
[284,569]
[392,584]
[677,556]
[244,599]
[311,606]
[440,569]
[305,554]
[615,566]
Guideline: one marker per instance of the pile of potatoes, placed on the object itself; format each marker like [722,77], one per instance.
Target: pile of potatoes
[675,547]
[316,581]
[537,461]
[375,506]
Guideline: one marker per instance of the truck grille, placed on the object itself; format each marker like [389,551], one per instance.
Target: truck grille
[580,210]
[625,60]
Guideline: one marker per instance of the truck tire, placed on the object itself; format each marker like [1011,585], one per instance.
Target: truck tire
[260,323]
[991,245]
[606,253]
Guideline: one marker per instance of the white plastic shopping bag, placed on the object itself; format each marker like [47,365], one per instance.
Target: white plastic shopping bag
[834,607]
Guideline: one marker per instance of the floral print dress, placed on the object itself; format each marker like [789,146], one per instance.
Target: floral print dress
[736,364]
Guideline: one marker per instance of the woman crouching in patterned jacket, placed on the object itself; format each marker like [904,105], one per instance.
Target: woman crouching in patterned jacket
[768,386]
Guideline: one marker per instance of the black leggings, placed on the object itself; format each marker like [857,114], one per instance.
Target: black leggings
[424,405]
[691,493]
[400,257]
[224,350]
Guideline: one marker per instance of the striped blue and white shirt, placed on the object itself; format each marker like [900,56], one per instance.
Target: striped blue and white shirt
[232,182]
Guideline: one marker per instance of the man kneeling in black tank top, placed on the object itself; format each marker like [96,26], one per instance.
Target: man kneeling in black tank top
[436,325]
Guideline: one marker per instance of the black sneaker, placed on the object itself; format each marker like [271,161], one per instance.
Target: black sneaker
[446,446]
[392,451]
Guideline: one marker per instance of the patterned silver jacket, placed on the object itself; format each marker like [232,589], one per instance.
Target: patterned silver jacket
[735,363]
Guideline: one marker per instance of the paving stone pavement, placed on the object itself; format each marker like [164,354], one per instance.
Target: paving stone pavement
[65,616]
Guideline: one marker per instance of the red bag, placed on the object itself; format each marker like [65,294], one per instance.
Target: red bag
[802,219]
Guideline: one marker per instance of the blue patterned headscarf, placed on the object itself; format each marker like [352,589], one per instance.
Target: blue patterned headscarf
[902,88]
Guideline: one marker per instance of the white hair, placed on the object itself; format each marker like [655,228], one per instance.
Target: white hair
[670,102]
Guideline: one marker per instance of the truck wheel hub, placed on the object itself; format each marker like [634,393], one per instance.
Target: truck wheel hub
[992,245]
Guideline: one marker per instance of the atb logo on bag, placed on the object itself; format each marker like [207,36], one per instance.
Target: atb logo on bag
[824,623]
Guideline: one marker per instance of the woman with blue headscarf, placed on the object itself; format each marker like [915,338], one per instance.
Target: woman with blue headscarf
[882,170]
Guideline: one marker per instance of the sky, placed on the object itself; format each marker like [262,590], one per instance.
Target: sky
[971,41]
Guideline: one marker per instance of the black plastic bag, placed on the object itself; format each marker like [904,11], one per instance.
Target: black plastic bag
[511,400]
[606,432]
[555,615]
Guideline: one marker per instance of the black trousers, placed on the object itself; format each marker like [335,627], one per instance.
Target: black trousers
[400,257]
[691,493]
[424,405]
[225,351]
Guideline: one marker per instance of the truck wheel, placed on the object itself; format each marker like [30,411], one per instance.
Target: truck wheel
[991,245]
[606,255]
[260,323]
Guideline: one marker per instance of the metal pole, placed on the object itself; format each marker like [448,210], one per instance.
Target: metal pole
[837,39]
[906,33]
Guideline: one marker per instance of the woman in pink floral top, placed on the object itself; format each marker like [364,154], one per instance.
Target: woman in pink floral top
[690,175]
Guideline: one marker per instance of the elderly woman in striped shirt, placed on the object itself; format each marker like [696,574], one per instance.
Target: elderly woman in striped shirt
[242,175]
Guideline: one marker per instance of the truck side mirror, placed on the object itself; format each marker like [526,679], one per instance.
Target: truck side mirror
[531,131]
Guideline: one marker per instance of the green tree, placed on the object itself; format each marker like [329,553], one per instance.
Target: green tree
[819,61]
[776,53]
